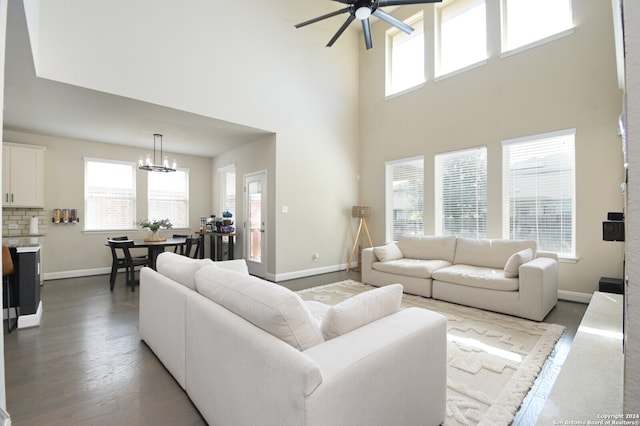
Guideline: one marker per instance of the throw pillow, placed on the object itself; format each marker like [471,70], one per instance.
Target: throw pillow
[512,267]
[269,306]
[361,309]
[388,252]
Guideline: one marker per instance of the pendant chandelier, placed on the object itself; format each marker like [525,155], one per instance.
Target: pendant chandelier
[149,164]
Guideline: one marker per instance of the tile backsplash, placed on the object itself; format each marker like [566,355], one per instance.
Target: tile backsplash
[19,218]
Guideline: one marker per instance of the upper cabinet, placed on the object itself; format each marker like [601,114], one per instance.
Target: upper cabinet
[22,175]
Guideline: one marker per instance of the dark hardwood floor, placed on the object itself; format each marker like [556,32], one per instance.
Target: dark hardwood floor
[86,364]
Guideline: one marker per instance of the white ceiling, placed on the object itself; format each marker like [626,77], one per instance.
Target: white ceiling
[47,107]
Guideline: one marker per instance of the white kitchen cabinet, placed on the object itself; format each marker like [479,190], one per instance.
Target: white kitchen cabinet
[22,175]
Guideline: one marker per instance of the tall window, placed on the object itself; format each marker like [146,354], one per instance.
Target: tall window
[539,190]
[228,188]
[527,21]
[405,56]
[461,193]
[168,195]
[109,195]
[404,197]
[462,34]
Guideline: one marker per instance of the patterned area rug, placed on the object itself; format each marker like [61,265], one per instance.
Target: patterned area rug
[492,359]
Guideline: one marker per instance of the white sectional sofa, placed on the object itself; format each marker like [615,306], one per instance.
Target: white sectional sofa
[506,276]
[251,352]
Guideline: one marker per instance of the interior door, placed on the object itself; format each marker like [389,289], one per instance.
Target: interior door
[255,219]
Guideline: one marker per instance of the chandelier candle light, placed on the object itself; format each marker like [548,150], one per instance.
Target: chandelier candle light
[150,165]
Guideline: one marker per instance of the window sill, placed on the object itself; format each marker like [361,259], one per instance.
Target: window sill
[460,70]
[537,43]
[405,91]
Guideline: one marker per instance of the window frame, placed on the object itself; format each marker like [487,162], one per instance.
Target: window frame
[570,135]
[440,70]
[133,199]
[224,196]
[389,195]
[391,35]
[506,50]
[185,201]
[440,191]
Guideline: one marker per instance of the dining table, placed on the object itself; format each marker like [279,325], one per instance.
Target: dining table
[154,248]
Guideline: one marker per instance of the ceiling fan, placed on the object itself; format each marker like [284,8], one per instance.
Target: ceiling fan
[363,9]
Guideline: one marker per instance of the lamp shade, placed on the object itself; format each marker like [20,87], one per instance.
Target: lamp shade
[360,211]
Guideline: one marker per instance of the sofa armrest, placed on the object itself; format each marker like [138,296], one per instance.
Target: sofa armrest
[401,354]
[368,258]
[162,312]
[539,285]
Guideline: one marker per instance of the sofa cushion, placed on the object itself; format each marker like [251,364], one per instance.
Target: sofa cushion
[512,267]
[271,307]
[361,309]
[388,252]
[411,267]
[477,276]
[427,247]
[180,268]
[489,253]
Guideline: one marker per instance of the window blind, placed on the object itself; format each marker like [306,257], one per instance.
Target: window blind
[539,191]
[110,195]
[405,197]
[461,193]
[168,196]
[228,189]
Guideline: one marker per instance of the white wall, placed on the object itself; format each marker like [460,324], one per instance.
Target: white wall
[243,62]
[567,83]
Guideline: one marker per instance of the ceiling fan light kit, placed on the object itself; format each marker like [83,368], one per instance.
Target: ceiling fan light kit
[150,165]
[362,10]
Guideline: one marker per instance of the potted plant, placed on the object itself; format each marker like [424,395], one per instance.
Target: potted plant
[154,226]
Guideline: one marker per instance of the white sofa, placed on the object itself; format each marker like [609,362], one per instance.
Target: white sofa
[507,276]
[391,370]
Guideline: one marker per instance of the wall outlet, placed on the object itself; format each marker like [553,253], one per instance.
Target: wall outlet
[13,226]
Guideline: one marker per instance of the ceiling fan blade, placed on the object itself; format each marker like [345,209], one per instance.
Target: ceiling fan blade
[341,30]
[379,13]
[366,29]
[320,18]
[383,3]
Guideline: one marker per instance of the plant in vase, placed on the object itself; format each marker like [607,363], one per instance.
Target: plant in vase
[154,226]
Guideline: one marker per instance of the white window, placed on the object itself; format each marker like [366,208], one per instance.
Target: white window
[168,196]
[528,21]
[461,193]
[538,191]
[461,27]
[109,195]
[228,189]
[404,197]
[405,56]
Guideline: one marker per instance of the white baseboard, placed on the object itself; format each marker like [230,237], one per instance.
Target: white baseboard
[77,273]
[572,296]
[31,320]
[306,273]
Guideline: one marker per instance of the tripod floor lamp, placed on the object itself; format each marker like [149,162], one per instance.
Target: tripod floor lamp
[359,212]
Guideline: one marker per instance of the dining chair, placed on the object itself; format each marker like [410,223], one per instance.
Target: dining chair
[180,248]
[7,284]
[195,244]
[122,258]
